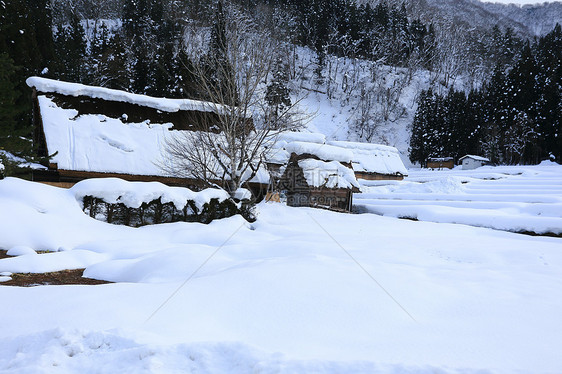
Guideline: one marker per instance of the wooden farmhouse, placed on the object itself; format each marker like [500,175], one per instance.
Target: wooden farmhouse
[92,132]
[440,163]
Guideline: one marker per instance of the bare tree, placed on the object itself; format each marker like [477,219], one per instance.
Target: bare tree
[229,147]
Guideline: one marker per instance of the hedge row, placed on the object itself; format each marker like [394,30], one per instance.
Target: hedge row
[156,212]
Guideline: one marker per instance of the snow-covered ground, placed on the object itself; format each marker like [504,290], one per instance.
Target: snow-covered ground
[299,291]
[512,198]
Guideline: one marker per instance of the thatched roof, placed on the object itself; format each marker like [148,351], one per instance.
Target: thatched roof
[100,130]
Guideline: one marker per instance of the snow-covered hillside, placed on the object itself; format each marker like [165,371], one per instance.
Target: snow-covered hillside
[298,291]
[528,20]
[539,18]
[360,100]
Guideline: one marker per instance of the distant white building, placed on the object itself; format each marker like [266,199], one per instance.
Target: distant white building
[470,162]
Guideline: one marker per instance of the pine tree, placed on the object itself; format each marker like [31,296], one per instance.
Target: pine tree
[26,48]
[219,67]
[420,148]
[495,115]
[143,22]
[549,83]
[523,96]
[277,94]
[9,110]
[117,70]
[474,106]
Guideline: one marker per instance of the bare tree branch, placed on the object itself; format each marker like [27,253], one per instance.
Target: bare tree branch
[228,149]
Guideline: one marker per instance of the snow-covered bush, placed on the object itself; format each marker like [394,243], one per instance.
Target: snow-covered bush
[143,203]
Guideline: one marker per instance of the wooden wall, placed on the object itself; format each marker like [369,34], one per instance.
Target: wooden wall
[377,176]
[300,194]
[441,164]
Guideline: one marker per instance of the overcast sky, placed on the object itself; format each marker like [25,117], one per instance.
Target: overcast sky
[519,1]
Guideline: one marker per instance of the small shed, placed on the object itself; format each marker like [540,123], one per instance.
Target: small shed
[440,163]
[470,162]
[308,172]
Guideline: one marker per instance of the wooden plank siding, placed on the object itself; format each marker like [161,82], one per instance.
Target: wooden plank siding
[299,194]
[377,176]
[449,164]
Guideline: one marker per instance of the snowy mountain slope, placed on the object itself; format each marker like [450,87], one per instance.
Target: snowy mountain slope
[528,20]
[361,100]
[538,19]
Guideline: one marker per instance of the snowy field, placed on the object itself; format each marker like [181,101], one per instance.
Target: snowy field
[299,291]
[511,198]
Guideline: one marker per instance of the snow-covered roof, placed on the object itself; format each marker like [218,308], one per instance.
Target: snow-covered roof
[477,158]
[45,85]
[327,174]
[373,158]
[278,156]
[295,136]
[97,143]
[363,157]
[324,152]
[94,142]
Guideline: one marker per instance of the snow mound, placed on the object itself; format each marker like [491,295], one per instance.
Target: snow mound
[134,194]
[20,250]
[548,163]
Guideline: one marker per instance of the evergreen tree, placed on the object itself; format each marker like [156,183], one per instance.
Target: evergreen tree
[420,147]
[70,48]
[143,22]
[9,110]
[219,67]
[495,115]
[549,83]
[117,71]
[26,50]
[277,94]
[520,126]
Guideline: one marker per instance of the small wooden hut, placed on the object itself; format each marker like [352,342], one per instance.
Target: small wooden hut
[440,163]
[312,174]
[309,181]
